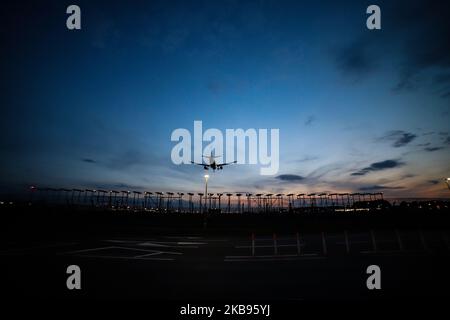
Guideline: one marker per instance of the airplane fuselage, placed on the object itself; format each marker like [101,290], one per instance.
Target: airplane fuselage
[212,164]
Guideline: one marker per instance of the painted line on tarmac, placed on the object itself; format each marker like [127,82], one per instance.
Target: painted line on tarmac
[158,243]
[124,258]
[148,254]
[91,249]
[269,246]
[116,247]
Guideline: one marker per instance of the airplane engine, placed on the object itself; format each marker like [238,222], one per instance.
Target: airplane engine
[206,168]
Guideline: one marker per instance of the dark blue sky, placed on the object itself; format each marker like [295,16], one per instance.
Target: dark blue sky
[357,109]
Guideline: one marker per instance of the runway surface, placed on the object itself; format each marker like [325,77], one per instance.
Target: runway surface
[196,267]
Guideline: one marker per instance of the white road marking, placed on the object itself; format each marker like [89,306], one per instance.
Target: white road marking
[124,248]
[268,246]
[148,254]
[126,258]
[91,249]
[152,244]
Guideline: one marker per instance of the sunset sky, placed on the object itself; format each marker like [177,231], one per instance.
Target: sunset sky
[358,110]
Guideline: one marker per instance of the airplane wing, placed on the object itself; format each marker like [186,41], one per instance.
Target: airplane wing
[225,164]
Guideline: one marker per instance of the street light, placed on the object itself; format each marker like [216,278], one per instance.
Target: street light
[447,181]
[206,190]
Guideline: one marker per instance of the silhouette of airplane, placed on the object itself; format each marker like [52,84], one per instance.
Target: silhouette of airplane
[212,163]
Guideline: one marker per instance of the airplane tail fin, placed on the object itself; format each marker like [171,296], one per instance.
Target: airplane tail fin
[211,156]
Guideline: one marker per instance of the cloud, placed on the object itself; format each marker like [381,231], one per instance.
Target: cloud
[307,158]
[88,160]
[404,139]
[400,138]
[432,149]
[379,187]
[326,170]
[310,120]
[121,186]
[290,177]
[428,46]
[378,166]
[418,38]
